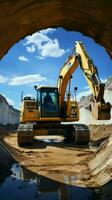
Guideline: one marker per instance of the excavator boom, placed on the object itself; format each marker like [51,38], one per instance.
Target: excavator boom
[100,110]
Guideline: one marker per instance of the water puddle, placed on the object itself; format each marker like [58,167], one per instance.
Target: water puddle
[23,184]
[51,140]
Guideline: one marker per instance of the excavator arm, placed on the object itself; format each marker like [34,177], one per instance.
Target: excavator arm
[98,107]
[90,72]
[65,76]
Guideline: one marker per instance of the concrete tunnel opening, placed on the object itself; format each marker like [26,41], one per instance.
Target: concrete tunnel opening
[68,179]
[90,18]
[99,36]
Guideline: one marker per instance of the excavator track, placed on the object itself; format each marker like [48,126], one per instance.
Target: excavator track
[25,134]
[79,134]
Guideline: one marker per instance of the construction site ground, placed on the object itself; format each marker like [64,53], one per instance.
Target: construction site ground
[66,163]
[49,156]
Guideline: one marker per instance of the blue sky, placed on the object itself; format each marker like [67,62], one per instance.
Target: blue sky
[37,59]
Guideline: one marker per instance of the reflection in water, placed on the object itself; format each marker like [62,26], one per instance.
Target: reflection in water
[24,185]
[17,171]
[52,140]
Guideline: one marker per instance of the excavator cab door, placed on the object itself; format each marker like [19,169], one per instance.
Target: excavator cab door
[48,102]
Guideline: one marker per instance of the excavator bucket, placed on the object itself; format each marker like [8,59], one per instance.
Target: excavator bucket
[101,111]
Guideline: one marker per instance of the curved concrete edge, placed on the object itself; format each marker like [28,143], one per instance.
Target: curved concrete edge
[6,158]
[6,161]
[101,164]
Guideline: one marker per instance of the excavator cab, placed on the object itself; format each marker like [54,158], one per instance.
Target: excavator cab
[48,101]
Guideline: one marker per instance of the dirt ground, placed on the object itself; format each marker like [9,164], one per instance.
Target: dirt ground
[59,161]
[55,160]
[100,131]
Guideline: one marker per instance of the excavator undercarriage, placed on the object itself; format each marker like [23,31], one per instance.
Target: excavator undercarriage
[77,133]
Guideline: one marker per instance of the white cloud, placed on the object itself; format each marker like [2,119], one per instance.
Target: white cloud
[52,49]
[31,48]
[3,79]
[23,80]
[82,94]
[48,30]
[44,45]
[23,58]
[37,39]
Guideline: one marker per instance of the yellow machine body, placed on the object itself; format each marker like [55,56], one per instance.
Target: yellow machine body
[51,107]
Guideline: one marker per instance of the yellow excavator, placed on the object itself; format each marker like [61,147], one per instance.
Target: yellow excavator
[44,115]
